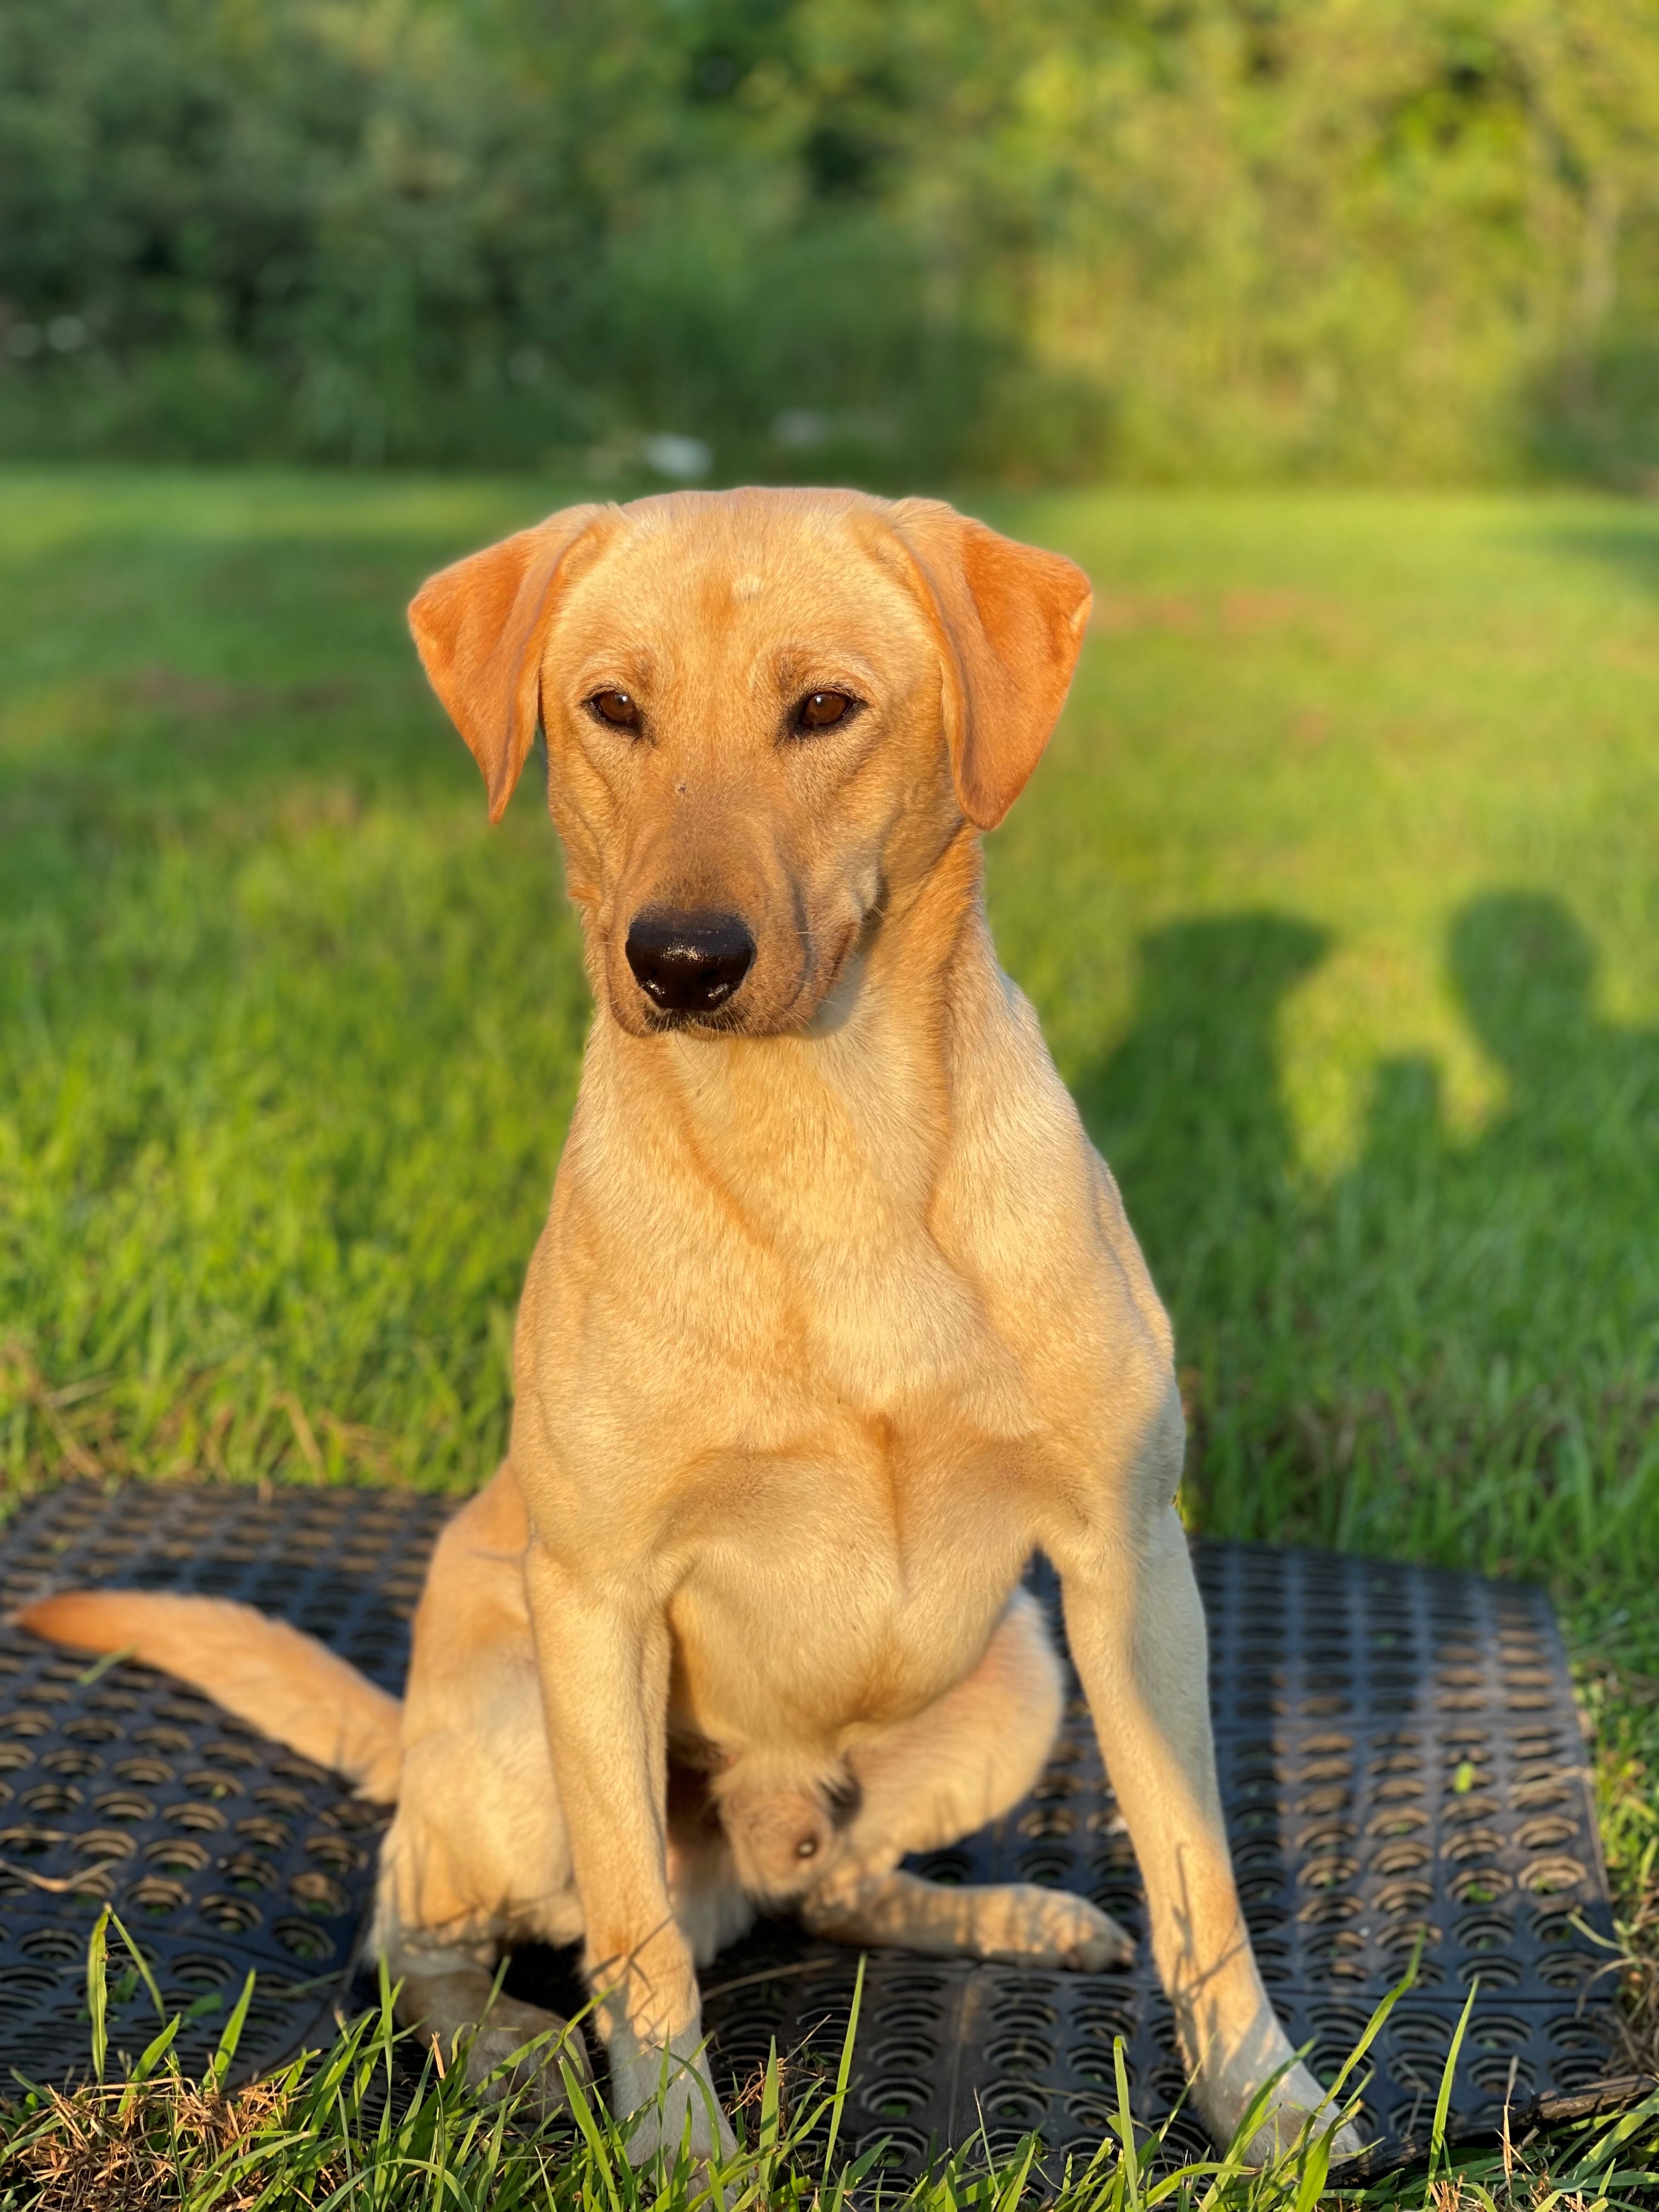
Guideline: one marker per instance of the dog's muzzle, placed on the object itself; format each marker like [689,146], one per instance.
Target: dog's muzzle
[688,963]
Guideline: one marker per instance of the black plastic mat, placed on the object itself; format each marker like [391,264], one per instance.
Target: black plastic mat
[1399,1757]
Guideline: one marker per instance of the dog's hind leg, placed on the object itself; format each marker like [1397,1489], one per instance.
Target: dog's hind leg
[477,1858]
[956,1764]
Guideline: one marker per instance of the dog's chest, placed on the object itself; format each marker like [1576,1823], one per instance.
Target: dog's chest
[848,1586]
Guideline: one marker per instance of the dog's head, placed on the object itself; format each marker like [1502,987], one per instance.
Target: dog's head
[769,714]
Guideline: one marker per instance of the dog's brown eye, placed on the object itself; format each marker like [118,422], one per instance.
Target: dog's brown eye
[807,1848]
[821,710]
[616,708]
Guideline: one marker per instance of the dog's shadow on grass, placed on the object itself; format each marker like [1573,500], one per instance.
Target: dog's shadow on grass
[1336,1337]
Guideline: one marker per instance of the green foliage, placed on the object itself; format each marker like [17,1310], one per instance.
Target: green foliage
[891,238]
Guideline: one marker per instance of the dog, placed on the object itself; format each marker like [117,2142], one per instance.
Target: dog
[836,1319]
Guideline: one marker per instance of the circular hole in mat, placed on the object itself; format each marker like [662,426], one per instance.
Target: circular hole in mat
[199,1971]
[1578,2072]
[1466,1843]
[175,1855]
[1480,1884]
[1046,1820]
[124,1805]
[27,1842]
[901,2147]
[1483,1931]
[195,1817]
[1091,2112]
[1048,1867]
[1496,2031]
[20,1981]
[304,1939]
[1099,2016]
[142,1773]
[247,1871]
[1493,1970]
[206,1782]
[154,1897]
[224,1754]
[1556,1929]
[1021,2010]
[1578,2035]
[264,1833]
[913,1982]
[319,1893]
[1097,2066]
[232,1915]
[1345,2022]
[1397,1944]
[1419,2032]
[103,1844]
[1016,2103]
[48,1801]
[1492,2074]
[1544,1832]
[1401,1858]
[56,1943]
[895,2096]
[1398,1820]
[1398,1898]
[1549,1877]
[1019,2054]
[902,2053]
[1080,2152]
[1565,1970]
[337,1853]
[166,1741]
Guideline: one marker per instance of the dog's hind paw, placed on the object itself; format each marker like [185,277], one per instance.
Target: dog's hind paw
[1039,1927]
[519,2051]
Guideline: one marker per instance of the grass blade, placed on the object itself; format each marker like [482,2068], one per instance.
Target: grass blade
[843,2075]
[1125,2120]
[98,1990]
[1443,2102]
[224,2055]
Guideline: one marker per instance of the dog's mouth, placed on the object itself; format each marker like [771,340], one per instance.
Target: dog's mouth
[724,1021]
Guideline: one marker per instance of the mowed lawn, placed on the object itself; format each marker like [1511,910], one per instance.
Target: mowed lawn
[1338,893]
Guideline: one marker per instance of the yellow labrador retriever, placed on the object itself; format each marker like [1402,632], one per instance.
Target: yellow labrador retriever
[835,1319]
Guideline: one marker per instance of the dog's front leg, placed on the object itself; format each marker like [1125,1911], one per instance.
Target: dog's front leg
[603,1655]
[1136,1625]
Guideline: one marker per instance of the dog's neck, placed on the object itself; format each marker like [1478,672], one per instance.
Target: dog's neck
[861,1104]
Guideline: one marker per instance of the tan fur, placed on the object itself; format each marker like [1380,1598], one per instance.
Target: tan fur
[835,1319]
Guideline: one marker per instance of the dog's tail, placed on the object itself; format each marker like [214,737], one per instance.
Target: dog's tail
[286,1685]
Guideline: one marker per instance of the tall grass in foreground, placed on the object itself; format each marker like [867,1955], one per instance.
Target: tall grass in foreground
[383,2119]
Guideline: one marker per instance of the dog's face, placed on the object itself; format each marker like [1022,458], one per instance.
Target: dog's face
[767,715]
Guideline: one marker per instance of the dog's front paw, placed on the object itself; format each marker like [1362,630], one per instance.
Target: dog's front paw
[519,2050]
[666,2091]
[1051,1928]
[1296,2101]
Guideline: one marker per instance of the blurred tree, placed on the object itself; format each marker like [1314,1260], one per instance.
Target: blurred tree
[1035,238]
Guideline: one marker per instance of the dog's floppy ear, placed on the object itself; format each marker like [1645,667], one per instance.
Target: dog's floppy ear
[478,627]
[1011,620]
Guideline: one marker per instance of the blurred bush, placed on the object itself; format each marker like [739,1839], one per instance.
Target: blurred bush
[1034,240]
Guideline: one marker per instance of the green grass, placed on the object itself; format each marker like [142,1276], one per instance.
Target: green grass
[1338,894]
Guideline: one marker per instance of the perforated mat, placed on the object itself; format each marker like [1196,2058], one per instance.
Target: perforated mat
[1399,1751]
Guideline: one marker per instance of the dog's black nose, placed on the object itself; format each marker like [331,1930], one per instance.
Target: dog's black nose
[688,963]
